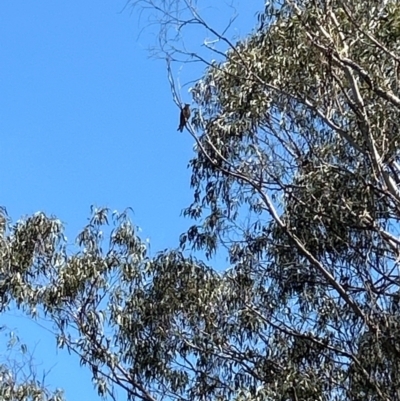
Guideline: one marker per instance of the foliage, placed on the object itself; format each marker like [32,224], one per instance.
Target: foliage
[18,377]
[296,174]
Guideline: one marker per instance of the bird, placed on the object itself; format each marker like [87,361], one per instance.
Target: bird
[184,117]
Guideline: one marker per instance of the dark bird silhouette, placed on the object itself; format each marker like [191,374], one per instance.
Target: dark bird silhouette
[184,117]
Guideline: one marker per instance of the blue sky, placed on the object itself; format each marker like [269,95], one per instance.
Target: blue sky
[87,118]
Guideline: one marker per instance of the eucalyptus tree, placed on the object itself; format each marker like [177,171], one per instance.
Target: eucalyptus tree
[295,176]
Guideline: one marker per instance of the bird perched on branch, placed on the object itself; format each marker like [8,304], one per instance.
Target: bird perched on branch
[184,117]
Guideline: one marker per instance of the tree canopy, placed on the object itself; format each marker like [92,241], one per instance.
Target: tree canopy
[295,175]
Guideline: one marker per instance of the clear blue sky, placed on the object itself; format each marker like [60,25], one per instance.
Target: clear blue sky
[86,118]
